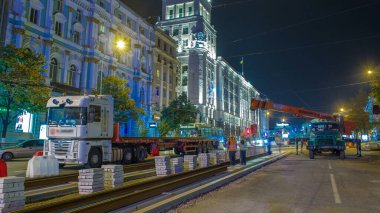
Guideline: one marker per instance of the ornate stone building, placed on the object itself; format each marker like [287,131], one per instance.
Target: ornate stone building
[79,39]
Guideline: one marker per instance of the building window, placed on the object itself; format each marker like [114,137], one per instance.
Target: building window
[175,32]
[157,91]
[184,68]
[76,37]
[71,75]
[165,76]
[165,48]
[58,28]
[102,28]
[158,74]
[59,6]
[185,31]
[159,43]
[164,93]
[79,16]
[100,78]
[184,81]
[54,67]
[33,16]
[189,9]
[101,4]
[185,43]
[179,11]
[170,12]
[170,95]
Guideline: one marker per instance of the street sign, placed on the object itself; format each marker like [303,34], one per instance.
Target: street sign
[153,125]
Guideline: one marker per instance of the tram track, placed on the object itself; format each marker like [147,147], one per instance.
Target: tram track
[35,183]
[116,198]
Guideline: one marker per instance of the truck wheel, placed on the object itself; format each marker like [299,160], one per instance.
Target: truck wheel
[7,156]
[127,155]
[311,154]
[176,151]
[95,158]
[141,154]
[342,154]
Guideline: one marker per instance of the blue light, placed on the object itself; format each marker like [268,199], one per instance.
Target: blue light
[55,101]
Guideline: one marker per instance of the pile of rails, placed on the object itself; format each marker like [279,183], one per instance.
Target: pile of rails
[113,176]
[176,165]
[162,164]
[91,180]
[190,162]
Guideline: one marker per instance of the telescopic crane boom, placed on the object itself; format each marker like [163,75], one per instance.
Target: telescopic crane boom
[297,111]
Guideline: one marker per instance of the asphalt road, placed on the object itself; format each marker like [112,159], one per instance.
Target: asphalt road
[298,184]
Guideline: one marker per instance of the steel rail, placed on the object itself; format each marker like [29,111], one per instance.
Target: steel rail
[128,199]
[138,191]
[34,183]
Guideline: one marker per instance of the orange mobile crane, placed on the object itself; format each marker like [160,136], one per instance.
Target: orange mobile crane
[324,135]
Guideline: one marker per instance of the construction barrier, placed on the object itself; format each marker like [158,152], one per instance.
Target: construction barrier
[42,166]
[3,168]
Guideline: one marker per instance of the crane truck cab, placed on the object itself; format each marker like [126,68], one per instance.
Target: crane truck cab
[80,129]
[325,136]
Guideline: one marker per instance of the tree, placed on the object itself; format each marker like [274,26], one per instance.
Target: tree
[22,85]
[125,108]
[179,111]
[163,128]
[357,114]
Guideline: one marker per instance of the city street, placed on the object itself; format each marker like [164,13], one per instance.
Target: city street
[298,184]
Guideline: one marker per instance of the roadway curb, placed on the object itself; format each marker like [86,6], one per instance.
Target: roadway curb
[191,192]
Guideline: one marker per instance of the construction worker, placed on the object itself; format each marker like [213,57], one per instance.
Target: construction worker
[358,147]
[232,149]
[243,151]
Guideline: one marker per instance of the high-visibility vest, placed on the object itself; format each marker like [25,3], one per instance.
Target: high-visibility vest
[232,145]
[243,147]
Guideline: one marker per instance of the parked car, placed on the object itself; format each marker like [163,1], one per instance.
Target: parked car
[24,149]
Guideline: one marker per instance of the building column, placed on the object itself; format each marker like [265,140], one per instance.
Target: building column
[66,67]
[69,33]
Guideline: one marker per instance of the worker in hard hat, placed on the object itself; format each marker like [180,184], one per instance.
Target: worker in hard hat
[232,150]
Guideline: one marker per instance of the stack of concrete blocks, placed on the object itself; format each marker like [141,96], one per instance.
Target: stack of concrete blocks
[113,176]
[222,157]
[91,180]
[204,160]
[12,197]
[214,158]
[162,164]
[176,165]
[190,162]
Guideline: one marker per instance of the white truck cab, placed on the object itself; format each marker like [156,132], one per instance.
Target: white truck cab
[80,129]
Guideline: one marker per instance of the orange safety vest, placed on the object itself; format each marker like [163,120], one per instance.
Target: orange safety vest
[232,145]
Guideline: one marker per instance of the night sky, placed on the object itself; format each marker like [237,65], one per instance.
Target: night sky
[312,54]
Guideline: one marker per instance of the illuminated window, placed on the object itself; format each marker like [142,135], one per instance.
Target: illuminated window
[189,9]
[170,12]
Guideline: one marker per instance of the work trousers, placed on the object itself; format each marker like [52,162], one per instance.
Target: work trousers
[232,155]
[243,157]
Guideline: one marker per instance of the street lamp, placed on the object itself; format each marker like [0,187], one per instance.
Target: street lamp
[120,44]
[283,120]
[268,113]
[369,72]
[342,109]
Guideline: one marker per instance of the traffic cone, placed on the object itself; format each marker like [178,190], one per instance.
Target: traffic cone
[3,168]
